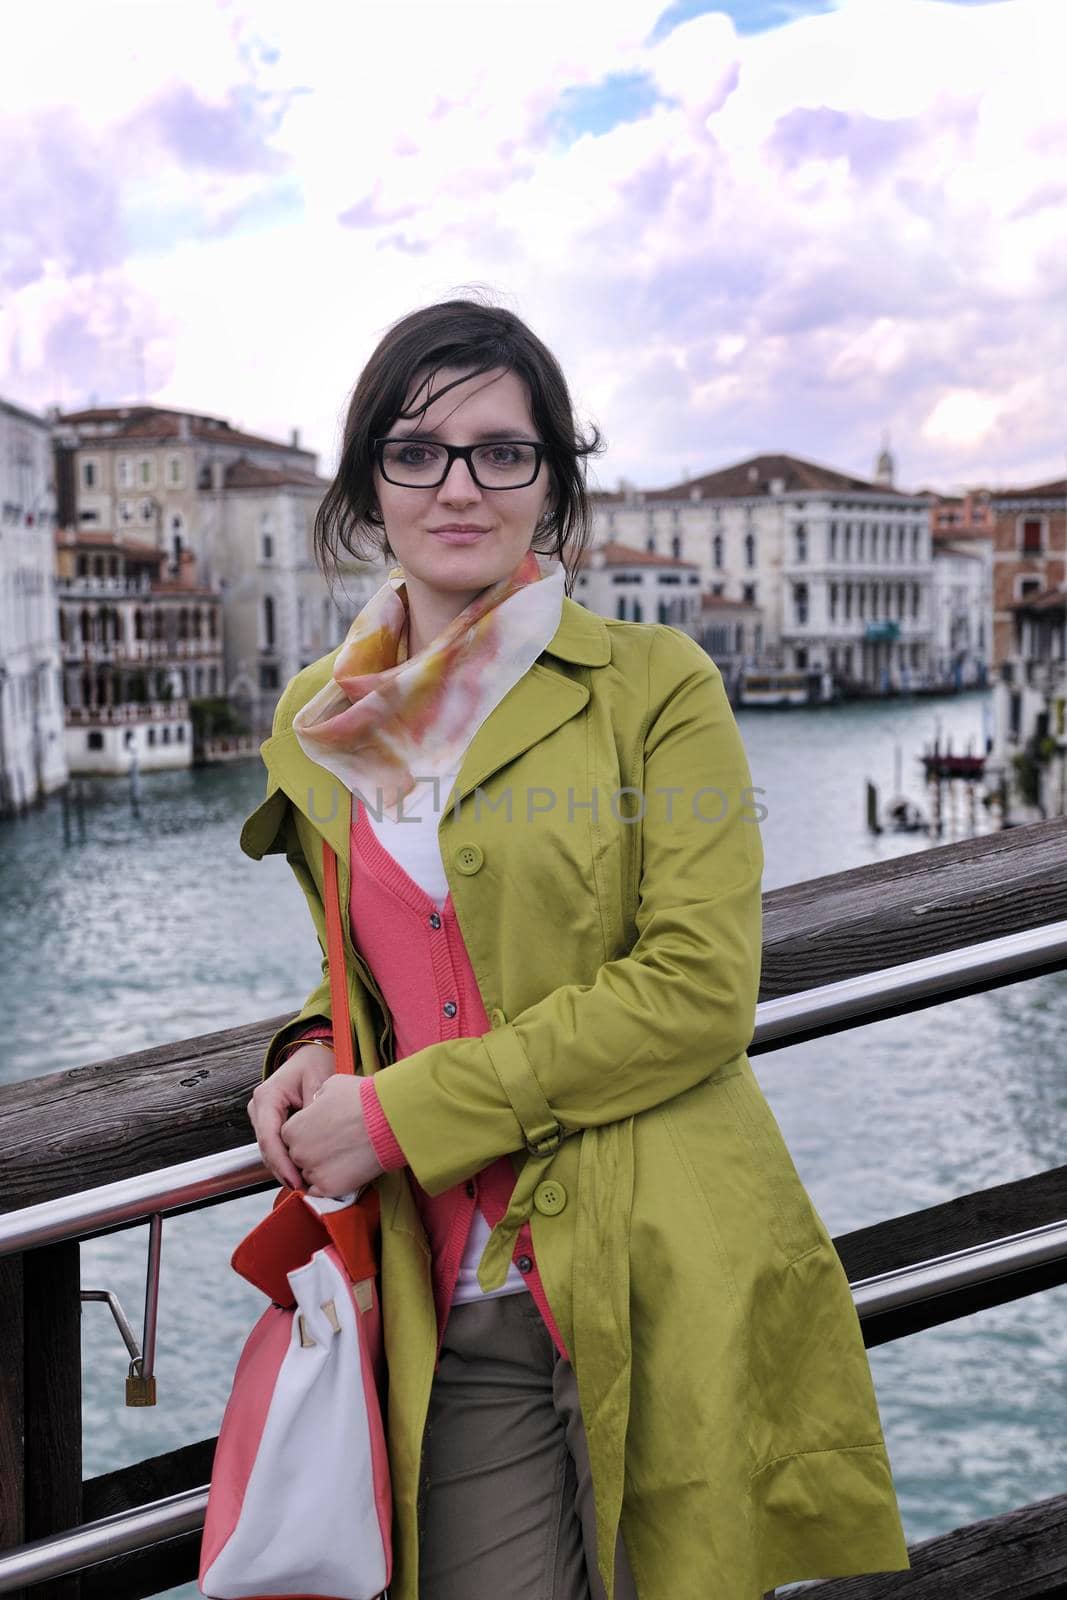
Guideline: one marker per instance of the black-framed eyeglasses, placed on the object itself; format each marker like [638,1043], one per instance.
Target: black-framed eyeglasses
[423,463]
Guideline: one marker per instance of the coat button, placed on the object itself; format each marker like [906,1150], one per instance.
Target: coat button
[524,1263]
[435,920]
[467,859]
[450,1008]
[550,1198]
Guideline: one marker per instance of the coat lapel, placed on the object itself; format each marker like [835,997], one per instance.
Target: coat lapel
[542,700]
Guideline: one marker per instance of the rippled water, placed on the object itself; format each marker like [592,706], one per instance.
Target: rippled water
[157,927]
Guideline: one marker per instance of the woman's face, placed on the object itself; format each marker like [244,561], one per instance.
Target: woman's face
[494,404]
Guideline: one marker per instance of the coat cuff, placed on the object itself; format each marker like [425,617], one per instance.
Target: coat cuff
[382,1137]
[320,1034]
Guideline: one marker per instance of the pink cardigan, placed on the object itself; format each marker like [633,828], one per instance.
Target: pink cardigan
[419,959]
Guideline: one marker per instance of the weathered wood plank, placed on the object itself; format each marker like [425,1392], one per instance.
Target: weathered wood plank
[53,1400]
[114,1119]
[848,923]
[1019,1556]
[146,1572]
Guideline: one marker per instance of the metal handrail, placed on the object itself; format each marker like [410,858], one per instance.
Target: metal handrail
[151,1524]
[832,1007]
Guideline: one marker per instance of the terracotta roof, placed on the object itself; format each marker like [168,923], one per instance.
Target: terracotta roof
[755,475]
[623,555]
[74,538]
[1056,490]
[155,422]
[245,474]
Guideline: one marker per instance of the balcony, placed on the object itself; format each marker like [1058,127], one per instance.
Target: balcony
[129,712]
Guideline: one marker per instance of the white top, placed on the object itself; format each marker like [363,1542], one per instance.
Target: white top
[409,834]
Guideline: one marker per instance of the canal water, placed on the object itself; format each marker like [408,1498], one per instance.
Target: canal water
[155,927]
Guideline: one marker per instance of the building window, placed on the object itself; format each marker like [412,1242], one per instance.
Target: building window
[125,510]
[650,544]
[179,733]
[638,615]
[800,658]
[915,544]
[620,608]
[1032,540]
[915,599]
[90,475]
[750,550]
[833,602]
[144,472]
[748,593]
[148,508]
[166,733]
[800,603]
[174,471]
[268,547]
[94,740]
[800,534]
[848,541]
[151,735]
[833,541]
[716,552]
[268,677]
[676,545]
[862,540]
[268,623]
[87,516]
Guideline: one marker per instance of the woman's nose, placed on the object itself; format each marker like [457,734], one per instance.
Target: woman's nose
[458,484]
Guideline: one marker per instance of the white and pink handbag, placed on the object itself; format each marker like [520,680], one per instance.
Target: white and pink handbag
[300,1506]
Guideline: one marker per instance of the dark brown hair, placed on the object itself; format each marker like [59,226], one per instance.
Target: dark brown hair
[476,337]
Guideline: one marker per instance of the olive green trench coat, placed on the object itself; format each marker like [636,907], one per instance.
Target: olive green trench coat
[602,849]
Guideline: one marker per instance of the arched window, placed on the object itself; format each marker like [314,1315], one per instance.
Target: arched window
[620,608]
[750,550]
[268,622]
[716,552]
[637,612]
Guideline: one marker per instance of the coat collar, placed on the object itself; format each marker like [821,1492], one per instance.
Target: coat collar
[539,703]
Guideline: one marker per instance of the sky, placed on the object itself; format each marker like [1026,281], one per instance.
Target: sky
[764,225]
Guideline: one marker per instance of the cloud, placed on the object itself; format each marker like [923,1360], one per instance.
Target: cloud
[783,238]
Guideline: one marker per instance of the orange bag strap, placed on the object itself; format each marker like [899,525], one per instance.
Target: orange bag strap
[335,950]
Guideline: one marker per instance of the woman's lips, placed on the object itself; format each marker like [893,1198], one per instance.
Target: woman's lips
[458,536]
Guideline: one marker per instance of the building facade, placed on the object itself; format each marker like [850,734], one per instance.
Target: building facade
[962,609]
[840,567]
[135,645]
[32,750]
[1029,751]
[1029,554]
[633,585]
[242,504]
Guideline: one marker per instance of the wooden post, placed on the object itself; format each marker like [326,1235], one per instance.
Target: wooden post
[51,1367]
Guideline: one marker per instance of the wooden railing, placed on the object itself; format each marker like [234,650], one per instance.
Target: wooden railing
[72,1131]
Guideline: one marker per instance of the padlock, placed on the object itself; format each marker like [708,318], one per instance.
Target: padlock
[140,1391]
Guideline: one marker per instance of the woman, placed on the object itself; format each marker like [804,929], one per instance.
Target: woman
[623,1357]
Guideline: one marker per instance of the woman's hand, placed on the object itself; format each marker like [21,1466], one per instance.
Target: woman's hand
[328,1141]
[290,1089]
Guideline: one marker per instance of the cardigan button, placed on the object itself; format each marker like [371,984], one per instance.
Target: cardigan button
[467,859]
[435,920]
[450,1008]
[524,1263]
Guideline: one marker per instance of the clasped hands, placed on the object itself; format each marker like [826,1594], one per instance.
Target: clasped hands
[309,1125]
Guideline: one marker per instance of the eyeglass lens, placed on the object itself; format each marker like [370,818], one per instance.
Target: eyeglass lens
[503,466]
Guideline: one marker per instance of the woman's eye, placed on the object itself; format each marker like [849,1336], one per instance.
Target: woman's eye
[504,454]
[412,454]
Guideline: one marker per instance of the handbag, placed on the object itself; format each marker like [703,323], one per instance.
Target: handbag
[300,1504]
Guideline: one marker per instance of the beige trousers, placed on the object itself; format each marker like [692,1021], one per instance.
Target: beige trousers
[506,1497]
